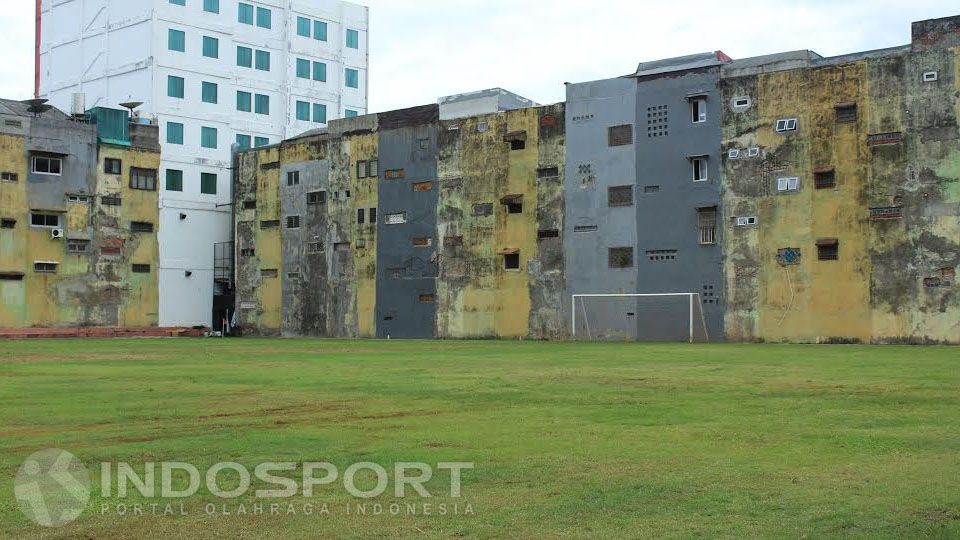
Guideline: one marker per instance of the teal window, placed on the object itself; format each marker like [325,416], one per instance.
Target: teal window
[263,60]
[244,101]
[350,113]
[245,13]
[303,111]
[320,113]
[263,17]
[353,39]
[320,30]
[208,92]
[212,6]
[211,47]
[174,133]
[260,141]
[244,57]
[208,183]
[176,40]
[303,68]
[261,104]
[175,86]
[319,71]
[243,141]
[208,137]
[303,26]
[174,180]
[352,78]
[179,2]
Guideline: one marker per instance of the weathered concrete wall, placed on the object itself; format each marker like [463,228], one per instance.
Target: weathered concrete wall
[93,282]
[592,227]
[407,272]
[894,207]
[259,260]
[477,296]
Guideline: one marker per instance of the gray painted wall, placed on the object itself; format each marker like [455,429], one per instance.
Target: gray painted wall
[660,221]
[667,219]
[592,167]
[405,272]
[76,145]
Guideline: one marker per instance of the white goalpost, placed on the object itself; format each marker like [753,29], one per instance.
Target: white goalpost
[638,317]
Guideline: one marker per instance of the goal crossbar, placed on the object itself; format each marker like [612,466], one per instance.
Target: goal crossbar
[694,297]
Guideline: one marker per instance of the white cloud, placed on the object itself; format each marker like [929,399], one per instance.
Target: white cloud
[423,49]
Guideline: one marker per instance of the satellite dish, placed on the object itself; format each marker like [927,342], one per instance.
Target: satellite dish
[131,105]
[37,106]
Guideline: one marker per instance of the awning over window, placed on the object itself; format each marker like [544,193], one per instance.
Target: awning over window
[845,105]
[512,199]
[823,169]
[697,95]
[515,136]
[827,242]
[509,251]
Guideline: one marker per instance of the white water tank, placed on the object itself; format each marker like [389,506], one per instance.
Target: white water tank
[79,104]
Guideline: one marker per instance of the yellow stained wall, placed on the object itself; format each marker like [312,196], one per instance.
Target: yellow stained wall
[821,299]
[141,299]
[364,195]
[517,231]
[13,242]
[268,240]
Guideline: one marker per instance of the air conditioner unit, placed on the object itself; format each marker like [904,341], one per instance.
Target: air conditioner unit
[56,233]
[746,221]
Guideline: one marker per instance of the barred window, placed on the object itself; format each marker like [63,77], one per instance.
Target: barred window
[620,195]
[620,135]
[707,225]
[620,257]
[823,179]
[317,197]
[293,222]
[141,226]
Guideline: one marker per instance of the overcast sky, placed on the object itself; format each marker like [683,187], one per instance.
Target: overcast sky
[423,49]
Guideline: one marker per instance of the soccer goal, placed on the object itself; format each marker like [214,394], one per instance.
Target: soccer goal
[638,317]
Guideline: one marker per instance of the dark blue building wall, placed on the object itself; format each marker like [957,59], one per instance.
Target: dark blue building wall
[670,256]
[407,274]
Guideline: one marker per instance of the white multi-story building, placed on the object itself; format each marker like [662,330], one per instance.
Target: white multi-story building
[214,74]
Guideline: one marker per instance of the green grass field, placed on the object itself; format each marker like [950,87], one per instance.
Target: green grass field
[568,440]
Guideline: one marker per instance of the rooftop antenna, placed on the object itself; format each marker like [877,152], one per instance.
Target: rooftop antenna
[37,106]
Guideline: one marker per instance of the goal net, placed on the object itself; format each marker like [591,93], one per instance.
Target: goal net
[639,317]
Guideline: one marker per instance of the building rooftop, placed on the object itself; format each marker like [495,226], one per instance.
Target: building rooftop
[21,108]
[489,92]
[681,63]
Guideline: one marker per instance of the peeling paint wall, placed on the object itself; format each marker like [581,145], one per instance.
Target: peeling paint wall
[480,172]
[893,208]
[103,271]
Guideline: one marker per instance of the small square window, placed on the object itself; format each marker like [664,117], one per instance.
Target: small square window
[930,76]
[112,166]
[293,178]
[303,68]
[262,60]
[8,223]
[261,104]
[319,72]
[245,57]
[208,137]
[144,179]
[620,257]
[352,78]
[846,113]
[824,179]
[176,40]
[46,165]
[518,144]
[243,141]
[828,249]
[208,92]
[786,124]
[741,102]
[245,13]
[263,17]
[141,227]
[244,101]
[788,184]
[208,183]
[353,39]
[317,197]
[174,180]
[211,47]
[78,246]
[303,27]
[511,261]
[211,6]
[620,135]
[620,196]
[293,222]
[175,86]
[320,30]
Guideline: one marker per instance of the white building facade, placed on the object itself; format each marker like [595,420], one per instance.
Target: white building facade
[214,74]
